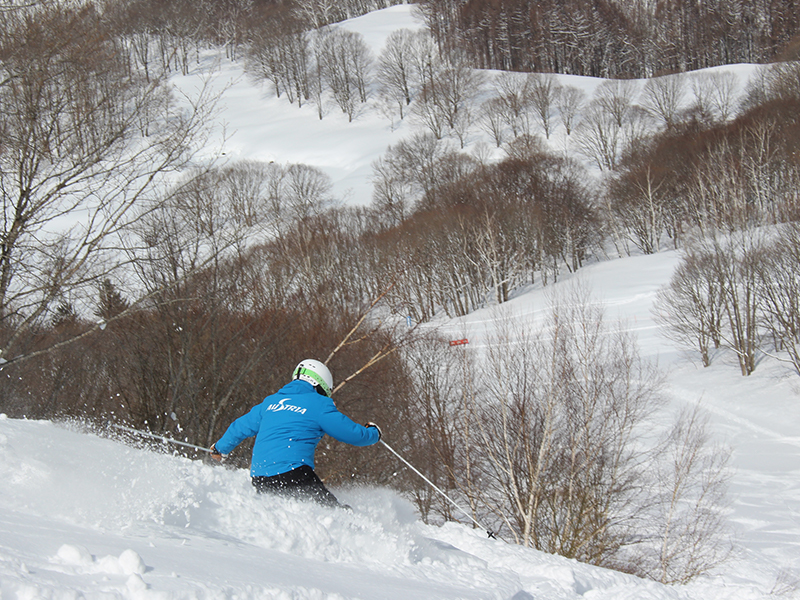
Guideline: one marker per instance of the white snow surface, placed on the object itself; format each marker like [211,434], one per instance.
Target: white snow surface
[87,517]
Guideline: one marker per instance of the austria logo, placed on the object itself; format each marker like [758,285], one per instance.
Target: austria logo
[281,406]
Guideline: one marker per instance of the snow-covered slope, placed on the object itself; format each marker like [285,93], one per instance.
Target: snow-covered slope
[254,124]
[757,417]
[86,517]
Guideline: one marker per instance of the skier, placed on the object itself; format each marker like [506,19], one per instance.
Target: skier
[288,426]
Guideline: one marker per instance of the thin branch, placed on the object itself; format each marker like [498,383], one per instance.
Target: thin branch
[359,322]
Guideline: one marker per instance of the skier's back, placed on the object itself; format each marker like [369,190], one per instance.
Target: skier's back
[288,426]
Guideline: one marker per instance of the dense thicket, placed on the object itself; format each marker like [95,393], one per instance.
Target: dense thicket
[614,38]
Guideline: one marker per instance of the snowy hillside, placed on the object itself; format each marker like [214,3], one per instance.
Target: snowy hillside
[86,517]
[757,417]
[254,124]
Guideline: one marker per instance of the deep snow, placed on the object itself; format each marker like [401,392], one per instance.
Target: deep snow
[87,517]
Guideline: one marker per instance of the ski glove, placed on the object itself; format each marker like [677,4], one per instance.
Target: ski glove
[371,424]
[216,454]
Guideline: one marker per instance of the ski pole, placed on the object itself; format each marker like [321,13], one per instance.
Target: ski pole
[159,437]
[489,532]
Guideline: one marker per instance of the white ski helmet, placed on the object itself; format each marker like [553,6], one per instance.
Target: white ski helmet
[315,373]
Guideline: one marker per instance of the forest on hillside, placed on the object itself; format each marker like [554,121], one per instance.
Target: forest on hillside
[161,308]
[615,38]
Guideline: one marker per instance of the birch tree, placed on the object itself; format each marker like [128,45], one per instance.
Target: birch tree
[692,475]
[396,68]
[559,428]
[779,290]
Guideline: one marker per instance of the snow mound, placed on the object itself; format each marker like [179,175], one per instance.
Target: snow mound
[79,558]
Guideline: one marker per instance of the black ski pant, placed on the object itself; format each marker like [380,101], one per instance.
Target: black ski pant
[301,483]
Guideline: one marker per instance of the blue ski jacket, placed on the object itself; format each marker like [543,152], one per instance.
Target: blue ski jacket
[288,426]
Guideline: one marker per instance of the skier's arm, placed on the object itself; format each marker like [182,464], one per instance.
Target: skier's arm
[242,428]
[344,429]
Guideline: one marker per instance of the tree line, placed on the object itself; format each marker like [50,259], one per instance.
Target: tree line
[613,38]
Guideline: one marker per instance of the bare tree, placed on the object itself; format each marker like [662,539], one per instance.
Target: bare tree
[724,95]
[492,119]
[569,103]
[319,13]
[722,276]
[85,142]
[779,290]
[362,61]
[515,94]
[610,122]
[218,304]
[441,422]
[691,305]
[497,254]
[543,94]
[307,191]
[557,431]
[715,94]
[396,68]
[391,193]
[425,57]
[616,97]
[427,111]
[663,97]
[345,62]
[757,91]
[717,196]
[641,206]
[447,102]
[692,475]
[412,166]
[294,62]
[258,195]
[598,136]
[317,83]
[780,81]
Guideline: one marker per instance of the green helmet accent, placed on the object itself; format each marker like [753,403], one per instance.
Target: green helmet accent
[315,373]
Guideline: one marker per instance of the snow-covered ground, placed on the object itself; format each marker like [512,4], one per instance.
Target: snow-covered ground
[254,124]
[86,517]
[257,125]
